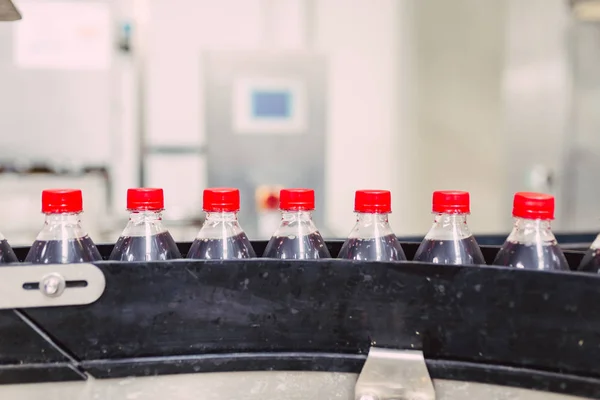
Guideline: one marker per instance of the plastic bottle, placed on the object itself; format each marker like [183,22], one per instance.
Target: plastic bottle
[297,236]
[591,260]
[449,241]
[145,238]
[62,240]
[531,244]
[372,238]
[221,237]
[7,255]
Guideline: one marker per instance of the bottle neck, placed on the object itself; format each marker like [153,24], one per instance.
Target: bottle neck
[296,215]
[145,216]
[449,227]
[63,219]
[144,223]
[221,216]
[371,218]
[220,225]
[62,226]
[371,225]
[530,231]
[296,223]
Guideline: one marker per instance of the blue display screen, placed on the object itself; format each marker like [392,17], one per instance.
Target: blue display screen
[271,104]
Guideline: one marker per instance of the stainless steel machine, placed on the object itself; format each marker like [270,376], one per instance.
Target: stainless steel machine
[265,116]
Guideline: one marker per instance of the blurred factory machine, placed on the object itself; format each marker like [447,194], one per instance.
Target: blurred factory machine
[261,94]
[265,122]
[81,81]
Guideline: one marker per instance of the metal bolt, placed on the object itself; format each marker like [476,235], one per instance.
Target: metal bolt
[52,285]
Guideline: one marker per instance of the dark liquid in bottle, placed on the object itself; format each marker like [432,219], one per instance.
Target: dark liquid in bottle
[63,252]
[297,248]
[222,249]
[384,248]
[7,255]
[141,248]
[549,257]
[463,251]
[591,261]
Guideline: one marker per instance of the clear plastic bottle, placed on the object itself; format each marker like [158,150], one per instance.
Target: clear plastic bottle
[221,237]
[531,244]
[145,238]
[7,255]
[449,241]
[297,236]
[372,238]
[62,240]
[591,259]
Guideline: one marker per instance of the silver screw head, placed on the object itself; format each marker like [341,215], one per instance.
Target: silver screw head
[52,285]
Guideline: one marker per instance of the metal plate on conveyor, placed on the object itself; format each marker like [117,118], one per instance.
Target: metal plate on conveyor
[25,286]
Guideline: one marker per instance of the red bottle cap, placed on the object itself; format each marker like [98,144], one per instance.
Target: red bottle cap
[297,199]
[451,202]
[221,200]
[141,199]
[373,201]
[56,201]
[533,205]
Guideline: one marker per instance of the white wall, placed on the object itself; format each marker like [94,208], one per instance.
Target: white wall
[179,30]
[55,102]
[459,54]
[361,39]
[537,91]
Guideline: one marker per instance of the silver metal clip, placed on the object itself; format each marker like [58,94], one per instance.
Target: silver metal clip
[394,375]
[25,286]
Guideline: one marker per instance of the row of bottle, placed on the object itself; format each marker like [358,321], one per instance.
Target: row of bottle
[531,244]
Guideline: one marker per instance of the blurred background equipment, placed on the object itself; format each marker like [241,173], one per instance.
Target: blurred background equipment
[586,10]
[491,97]
[8,11]
[265,122]
[267,208]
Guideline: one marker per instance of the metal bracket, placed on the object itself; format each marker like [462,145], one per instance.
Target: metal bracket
[394,375]
[25,286]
